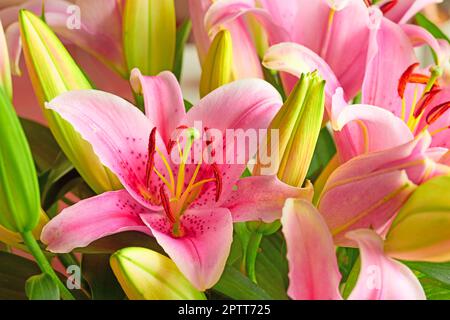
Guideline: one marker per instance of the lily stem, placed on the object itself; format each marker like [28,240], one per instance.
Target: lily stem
[252,252]
[43,263]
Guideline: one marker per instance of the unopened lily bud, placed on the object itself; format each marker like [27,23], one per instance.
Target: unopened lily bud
[19,188]
[147,275]
[53,72]
[149,35]
[5,69]
[421,230]
[298,123]
[218,65]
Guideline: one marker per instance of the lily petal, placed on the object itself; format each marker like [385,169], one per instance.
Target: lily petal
[420,36]
[118,132]
[261,198]
[390,54]
[197,10]
[382,278]
[368,190]
[92,219]
[334,33]
[313,268]
[296,59]
[243,106]
[284,12]
[404,10]
[202,251]
[99,33]
[227,11]
[363,129]
[163,101]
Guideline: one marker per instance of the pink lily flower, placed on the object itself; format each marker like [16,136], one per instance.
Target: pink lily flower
[313,268]
[392,83]
[368,190]
[188,207]
[383,120]
[337,26]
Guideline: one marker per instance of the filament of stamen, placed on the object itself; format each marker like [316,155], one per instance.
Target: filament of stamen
[166,205]
[411,120]
[436,132]
[169,170]
[184,158]
[164,180]
[403,109]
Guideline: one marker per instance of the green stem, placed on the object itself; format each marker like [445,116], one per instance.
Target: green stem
[252,252]
[43,263]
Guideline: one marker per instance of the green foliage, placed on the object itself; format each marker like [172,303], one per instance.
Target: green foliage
[41,287]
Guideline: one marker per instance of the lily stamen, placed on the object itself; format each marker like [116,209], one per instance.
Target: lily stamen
[218,180]
[388,6]
[151,157]
[437,112]
[425,102]
[166,205]
[436,132]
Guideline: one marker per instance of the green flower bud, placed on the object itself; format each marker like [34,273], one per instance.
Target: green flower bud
[298,124]
[5,67]
[19,189]
[218,65]
[149,35]
[421,230]
[53,72]
[147,275]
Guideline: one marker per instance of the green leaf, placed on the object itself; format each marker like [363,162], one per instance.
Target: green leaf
[183,33]
[434,290]
[42,287]
[347,258]
[235,285]
[427,24]
[98,273]
[14,272]
[437,271]
[272,266]
[324,152]
[187,105]
[352,279]
[43,146]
